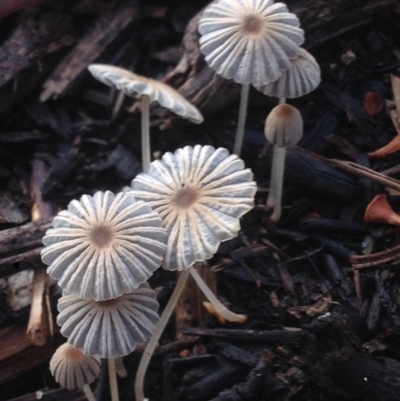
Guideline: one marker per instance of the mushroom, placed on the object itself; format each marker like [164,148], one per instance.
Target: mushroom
[111,328]
[104,245]
[301,78]
[283,128]
[251,42]
[200,193]
[150,90]
[73,369]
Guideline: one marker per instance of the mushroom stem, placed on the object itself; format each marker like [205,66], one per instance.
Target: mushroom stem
[145,133]
[272,181]
[151,345]
[280,171]
[112,374]
[88,392]
[216,303]
[244,97]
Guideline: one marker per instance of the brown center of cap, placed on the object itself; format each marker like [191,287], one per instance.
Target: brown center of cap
[101,236]
[252,25]
[185,197]
[73,354]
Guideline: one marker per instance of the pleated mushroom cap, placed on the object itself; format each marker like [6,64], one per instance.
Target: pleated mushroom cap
[284,126]
[300,79]
[200,193]
[132,84]
[112,328]
[104,245]
[249,41]
[72,368]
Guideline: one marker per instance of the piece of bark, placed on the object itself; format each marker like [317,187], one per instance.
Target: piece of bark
[189,311]
[8,7]
[97,39]
[59,394]
[21,261]
[30,51]
[314,174]
[367,173]
[23,237]
[25,356]
[270,337]
[322,20]
[40,326]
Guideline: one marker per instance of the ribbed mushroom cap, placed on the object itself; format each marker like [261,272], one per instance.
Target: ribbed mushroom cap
[72,368]
[301,78]
[249,41]
[200,193]
[110,328]
[284,126]
[104,245]
[132,84]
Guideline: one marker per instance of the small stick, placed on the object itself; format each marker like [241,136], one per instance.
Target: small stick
[366,172]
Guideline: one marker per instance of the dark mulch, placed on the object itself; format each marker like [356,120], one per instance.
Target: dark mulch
[309,335]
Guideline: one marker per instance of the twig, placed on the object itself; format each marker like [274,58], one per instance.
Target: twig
[367,173]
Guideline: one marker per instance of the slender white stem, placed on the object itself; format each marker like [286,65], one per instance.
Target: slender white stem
[146,158]
[282,100]
[112,373]
[272,181]
[151,345]
[88,392]
[216,303]
[244,98]
[280,171]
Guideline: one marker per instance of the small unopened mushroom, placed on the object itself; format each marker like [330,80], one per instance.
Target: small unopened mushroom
[74,369]
[200,193]
[104,245]
[283,128]
[251,42]
[150,90]
[301,78]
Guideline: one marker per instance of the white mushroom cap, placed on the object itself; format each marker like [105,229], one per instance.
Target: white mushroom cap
[249,41]
[72,368]
[132,84]
[200,193]
[300,79]
[284,126]
[110,328]
[104,245]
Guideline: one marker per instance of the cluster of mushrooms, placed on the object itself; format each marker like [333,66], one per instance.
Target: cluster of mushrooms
[104,248]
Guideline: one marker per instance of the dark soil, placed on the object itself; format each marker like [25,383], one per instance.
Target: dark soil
[317,328]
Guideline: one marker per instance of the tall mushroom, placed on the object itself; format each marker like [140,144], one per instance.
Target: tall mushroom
[200,193]
[283,128]
[251,42]
[149,90]
[301,78]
